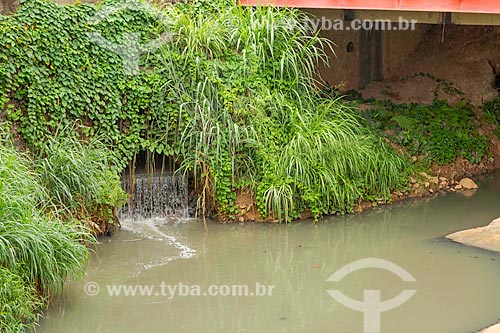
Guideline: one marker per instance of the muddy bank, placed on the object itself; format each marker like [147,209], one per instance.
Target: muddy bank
[421,185]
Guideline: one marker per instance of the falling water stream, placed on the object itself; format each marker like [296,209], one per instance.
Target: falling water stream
[458,287]
[155,196]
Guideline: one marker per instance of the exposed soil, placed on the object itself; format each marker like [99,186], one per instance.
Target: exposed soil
[466,56]
[413,89]
[247,205]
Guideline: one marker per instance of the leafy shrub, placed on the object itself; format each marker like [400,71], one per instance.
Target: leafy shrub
[52,74]
[492,113]
[438,131]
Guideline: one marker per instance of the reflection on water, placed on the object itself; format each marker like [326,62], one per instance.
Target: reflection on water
[457,286]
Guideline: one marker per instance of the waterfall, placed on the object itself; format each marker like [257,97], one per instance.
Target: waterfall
[155,196]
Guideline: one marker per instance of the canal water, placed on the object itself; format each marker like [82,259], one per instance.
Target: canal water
[457,287]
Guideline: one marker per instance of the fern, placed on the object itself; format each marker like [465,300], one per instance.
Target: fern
[405,123]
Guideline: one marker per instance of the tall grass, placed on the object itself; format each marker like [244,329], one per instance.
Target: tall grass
[326,161]
[246,85]
[38,250]
[46,247]
[77,175]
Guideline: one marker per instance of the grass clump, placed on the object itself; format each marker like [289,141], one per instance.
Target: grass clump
[325,161]
[78,178]
[30,235]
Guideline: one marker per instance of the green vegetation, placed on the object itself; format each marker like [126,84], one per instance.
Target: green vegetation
[257,120]
[439,132]
[492,113]
[19,303]
[41,242]
[79,180]
[231,97]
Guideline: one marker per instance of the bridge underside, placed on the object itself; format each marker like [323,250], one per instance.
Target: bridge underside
[453,40]
[483,12]
[457,6]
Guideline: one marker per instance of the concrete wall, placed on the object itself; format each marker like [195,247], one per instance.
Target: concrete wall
[397,45]
[373,56]
[381,55]
[343,65]
[363,56]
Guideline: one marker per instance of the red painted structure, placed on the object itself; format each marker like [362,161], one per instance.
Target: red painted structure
[456,6]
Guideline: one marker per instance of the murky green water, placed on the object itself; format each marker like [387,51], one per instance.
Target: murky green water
[458,288]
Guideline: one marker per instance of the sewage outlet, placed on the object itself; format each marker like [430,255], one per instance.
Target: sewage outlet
[154,189]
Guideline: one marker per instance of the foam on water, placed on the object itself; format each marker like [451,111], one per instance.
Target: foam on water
[150,229]
[156,202]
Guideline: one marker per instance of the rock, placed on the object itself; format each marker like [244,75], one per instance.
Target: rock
[414,158]
[431,190]
[413,180]
[443,179]
[487,238]
[468,184]
[241,219]
[423,174]
[458,187]
[427,184]
[492,329]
